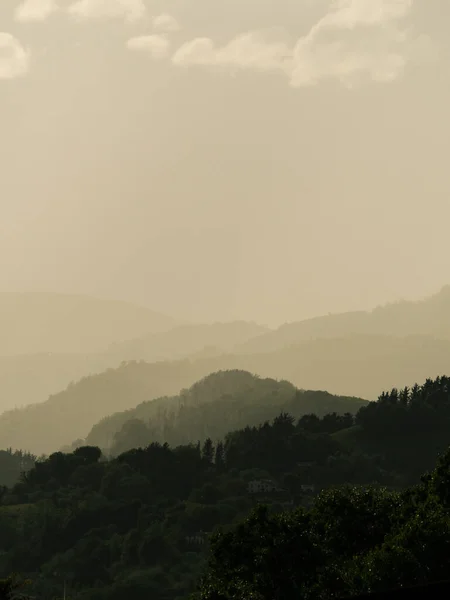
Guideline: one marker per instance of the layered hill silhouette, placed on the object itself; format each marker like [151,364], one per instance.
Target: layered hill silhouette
[187,340]
[60,323]
[429,317]
[31,378]
[379,520]
[71,414]
[350,364]
[73,323]
[212,407]
[360,366]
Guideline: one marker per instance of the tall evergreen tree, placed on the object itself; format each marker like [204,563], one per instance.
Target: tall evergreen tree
[208,451]
[219,459]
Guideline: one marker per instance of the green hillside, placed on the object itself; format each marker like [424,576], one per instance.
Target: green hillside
[70,414]
[359,366]
[266,511]
[221,402]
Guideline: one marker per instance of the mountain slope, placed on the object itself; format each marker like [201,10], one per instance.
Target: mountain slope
[41,322]
[71,413]
[31,378]
[211,408]
[187,340]
[427,317]
[359,366]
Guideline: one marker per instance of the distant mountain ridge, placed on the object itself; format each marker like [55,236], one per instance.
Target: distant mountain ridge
[360,366]
[430,317]
[30,378]
[187,340]
[33,323]
[32,375]
[346,363]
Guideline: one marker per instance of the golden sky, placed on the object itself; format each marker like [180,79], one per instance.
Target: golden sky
[259,159]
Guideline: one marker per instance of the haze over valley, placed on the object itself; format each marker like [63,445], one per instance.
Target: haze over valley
[350,354]
[242,188]
[224,299]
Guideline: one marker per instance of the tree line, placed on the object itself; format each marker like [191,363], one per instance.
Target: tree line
[169,522]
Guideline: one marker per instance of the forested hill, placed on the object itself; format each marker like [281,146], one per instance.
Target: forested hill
[219,403]
[71,414]
[360,366]
[429,317]
[147,523]
[30,378]
[49,341]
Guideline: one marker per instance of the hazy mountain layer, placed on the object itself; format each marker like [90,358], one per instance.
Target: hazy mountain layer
[32,378]
[187,340]
[27,379]
[427,317]
[38,322]
[359,366]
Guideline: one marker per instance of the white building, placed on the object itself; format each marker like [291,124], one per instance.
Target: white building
[308,487]
[259,486]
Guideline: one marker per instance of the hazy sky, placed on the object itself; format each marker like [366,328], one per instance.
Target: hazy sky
[218,159]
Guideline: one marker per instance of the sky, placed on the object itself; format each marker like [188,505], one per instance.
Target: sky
[269,160]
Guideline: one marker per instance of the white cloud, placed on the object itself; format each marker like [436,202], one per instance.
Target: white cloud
[166,23]
[130,10]
[35,10]
[156,45]
[247,51]
[14,58]
[348,14]
[356,39]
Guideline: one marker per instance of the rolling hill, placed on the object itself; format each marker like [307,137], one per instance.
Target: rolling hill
[34,323]
[360,366]
[212,407]
[31,378]
[187,340]
[315,353]
[429,317]
[70,414]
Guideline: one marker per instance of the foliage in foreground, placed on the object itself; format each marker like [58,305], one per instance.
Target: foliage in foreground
[138,526]
[354,540]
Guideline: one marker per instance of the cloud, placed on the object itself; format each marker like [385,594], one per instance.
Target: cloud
[14,58]
[156,45]
[247,51]
[130,10]
[166,23]
[348,14]
[354,40]
[35,10]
